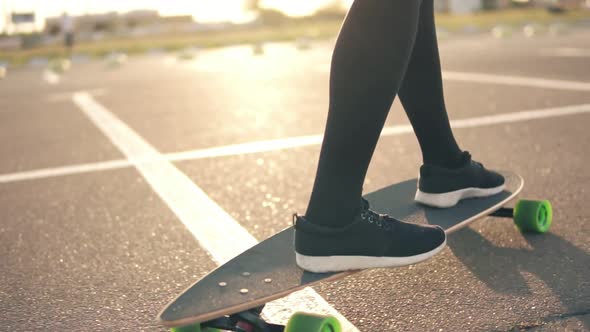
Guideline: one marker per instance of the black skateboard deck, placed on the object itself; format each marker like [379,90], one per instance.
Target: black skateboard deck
[268,271]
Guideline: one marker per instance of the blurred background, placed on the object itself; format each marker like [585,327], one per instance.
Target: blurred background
[32,28]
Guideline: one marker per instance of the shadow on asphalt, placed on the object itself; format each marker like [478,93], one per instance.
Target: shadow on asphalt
[552,259]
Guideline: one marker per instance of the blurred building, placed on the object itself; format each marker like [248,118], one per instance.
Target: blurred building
[458,6]
[134,23]
[469,6]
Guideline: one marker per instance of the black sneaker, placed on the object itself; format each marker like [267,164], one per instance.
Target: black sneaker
[371,240]
[443,187]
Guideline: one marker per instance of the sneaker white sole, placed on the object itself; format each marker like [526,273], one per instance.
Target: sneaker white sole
[324,264]
[450,199]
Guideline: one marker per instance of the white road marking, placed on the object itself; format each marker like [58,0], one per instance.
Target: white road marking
[524,81]
[292,142]
[520,116]
[200,214]
[516,81]
[566,52]
[50,77]
[64,170]
[214,229]
[251,147]
[67,96]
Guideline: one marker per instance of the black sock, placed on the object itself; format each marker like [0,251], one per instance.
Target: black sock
[421,94]
[369,61]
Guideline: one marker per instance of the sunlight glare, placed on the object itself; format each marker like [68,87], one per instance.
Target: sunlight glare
[201,10]
[209,11]
[295,7]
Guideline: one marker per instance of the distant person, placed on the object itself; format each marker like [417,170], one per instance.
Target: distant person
[67,27]
[385,48]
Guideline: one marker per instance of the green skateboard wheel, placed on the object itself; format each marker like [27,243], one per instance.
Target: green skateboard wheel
[193,328]
[533,216]
[312,323]
[188,328]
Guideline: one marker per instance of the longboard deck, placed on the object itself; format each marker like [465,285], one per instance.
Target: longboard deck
[268,270]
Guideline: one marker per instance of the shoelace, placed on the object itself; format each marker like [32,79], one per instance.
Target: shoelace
[467,157]
[372,217]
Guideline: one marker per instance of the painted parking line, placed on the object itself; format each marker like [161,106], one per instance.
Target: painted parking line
[292,142]
[64,170]
[516,81]
[67,96]
[570,52]
[510,80]
[215,230]
[50,77]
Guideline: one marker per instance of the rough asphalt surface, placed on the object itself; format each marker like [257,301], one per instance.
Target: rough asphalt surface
[100,251]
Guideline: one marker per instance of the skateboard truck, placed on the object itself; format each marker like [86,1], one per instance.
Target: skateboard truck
[503,213]
[245,321]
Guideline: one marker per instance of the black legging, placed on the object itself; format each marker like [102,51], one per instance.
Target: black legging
[385,47]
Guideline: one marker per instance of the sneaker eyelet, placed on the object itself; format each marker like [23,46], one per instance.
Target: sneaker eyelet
[379,223]
[371,220]
[364,215]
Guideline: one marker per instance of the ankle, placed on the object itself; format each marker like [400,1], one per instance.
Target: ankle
[448,161]
[329,214]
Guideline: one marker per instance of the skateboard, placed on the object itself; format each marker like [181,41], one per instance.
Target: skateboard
[231,297]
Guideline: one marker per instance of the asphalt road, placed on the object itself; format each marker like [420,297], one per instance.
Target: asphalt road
[92,240]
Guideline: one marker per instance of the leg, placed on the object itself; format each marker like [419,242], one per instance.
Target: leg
[448,174]
[421,94]
[368,64]
[339,231]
